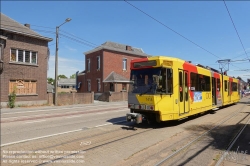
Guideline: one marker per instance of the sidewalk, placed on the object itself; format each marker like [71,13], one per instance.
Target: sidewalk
[4,110]
[245,99]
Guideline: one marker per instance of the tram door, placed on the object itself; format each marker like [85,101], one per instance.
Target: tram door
[183,92]
[229,91]
[214,91]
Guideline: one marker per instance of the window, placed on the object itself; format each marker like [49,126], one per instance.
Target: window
[124,62]
[13,55]
[165,84]
[1,51]
[169,81]
[234,86]
[64,87]
[181,84]
[200,82]
[88,64]
[98,63]
[225,84]
[20,56]
[98,84]
[27,56]
[23,87]
[23,56]
[218,84]
[111,87]
[34,58]
[124,86]
[89,85]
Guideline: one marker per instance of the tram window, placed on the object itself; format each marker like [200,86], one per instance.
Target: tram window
[169,81]
[180,84]
[225,85]
[193,79]
[161,86]
[186,87]
[200,82]
[165,83]
[234,86]
[207,83]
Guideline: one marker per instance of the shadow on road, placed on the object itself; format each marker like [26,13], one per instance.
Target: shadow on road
[145,125]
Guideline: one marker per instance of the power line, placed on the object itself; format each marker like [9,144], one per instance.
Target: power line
[71,38]
[52,32]
[171,29]
[235,28]
[80,38]
[240,55]
[29,24]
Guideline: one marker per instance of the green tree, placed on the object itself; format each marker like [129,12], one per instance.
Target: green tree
[50,80]
[73,76]
[239,78]
[61,76]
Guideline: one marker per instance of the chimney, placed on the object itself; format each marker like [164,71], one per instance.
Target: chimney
[27,25]
[128,48]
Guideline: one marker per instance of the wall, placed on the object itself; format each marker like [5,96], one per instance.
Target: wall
[114,96]
[71,98]
[94,73]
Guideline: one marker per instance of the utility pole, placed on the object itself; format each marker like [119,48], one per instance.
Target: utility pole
[56,61]
[222,64]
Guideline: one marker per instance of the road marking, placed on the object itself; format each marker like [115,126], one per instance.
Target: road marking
[59,109]
[46,136]
[109,123]
[73,116]
[104,124]
[36,121]
[39,115]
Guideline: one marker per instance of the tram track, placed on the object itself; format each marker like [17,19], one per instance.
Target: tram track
[199,137]
[231,144]
[97,140]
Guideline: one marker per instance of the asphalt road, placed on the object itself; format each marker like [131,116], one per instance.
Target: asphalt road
[43,135]
[23,124]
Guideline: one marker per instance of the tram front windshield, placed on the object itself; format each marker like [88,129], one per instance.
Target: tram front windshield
[151,81]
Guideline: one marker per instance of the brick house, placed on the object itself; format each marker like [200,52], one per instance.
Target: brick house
[24,61]
[107,68]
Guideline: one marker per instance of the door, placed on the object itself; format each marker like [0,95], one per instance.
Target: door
[229,91]
[218,92]
[183,92]
[214,101]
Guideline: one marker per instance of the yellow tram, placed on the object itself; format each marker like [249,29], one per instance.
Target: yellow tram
[166,88]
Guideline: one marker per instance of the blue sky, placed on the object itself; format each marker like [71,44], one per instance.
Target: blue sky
[205,23]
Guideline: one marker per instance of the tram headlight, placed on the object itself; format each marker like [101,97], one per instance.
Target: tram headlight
[131,106]
[150,107]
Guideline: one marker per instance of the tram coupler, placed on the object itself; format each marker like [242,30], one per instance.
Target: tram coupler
[134,117]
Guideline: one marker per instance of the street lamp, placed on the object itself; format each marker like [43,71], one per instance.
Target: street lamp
[56,60]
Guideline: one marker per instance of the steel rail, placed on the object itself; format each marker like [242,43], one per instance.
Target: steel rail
[232,143]
[194,140]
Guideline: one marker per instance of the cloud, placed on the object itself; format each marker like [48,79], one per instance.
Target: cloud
[65,66]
